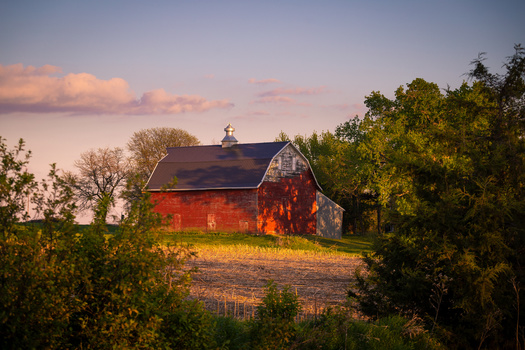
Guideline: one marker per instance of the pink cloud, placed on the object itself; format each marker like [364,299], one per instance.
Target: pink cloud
[295,91]
[35,90]
[275,99]
[161,102]
[264,81]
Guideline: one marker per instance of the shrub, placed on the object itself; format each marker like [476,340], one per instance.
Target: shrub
[65,288]
[231,334]
[274,326]
[336,329]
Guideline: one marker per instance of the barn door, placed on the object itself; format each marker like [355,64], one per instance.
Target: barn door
[176,225]
[212,225]
[243,226]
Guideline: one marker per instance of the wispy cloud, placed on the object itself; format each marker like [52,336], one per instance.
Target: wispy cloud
[275,99]
[37,90]
[282,95]
[295,91]
[264,81]
[161,102]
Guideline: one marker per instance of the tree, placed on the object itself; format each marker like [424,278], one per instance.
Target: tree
[102,174]
[350,131]
[55,202]
[321,151]
[15,186]
[61,287]
[338,166]
[450,173]
[148,146]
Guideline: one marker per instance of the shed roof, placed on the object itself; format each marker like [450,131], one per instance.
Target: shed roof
[240,166]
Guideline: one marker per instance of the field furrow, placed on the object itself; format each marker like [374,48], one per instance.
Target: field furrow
[231,281]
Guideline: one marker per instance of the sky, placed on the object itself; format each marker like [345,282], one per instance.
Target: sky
[82,75]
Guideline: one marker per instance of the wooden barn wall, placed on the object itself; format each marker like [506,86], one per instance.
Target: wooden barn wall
[287,205]
[218,210]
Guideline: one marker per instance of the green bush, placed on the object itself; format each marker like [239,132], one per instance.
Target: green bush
[65,288]
[231,334]
[35,294]
[337,329]
[274,326]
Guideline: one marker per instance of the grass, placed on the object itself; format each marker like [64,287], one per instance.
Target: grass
[351,245]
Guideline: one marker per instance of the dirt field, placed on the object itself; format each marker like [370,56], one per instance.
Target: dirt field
[231,281]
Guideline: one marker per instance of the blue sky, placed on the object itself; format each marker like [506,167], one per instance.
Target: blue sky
[78,75]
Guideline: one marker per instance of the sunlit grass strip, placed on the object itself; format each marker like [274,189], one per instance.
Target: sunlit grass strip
[348,246]
[244,250]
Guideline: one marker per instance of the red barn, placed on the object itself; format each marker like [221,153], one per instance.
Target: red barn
[256,188]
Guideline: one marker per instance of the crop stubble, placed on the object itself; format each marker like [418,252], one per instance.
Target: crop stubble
[231,281]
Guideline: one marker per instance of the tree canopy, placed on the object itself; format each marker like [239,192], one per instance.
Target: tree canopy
[148,146]
[450,175]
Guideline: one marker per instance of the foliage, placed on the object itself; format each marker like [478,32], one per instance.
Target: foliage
[55,202]
[341,171]
[351,131]
[16,185]
[231,334]
[91,289]
[148,146]
[102,174]
[317,148]
[338,329]
[274,326]
[450,174]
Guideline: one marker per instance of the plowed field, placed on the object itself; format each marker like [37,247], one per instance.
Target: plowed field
[231,281]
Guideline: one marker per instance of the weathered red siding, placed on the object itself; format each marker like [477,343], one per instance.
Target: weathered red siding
[221,210]
[288,206]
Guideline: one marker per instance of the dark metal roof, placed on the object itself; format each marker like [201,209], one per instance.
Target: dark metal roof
[215,167]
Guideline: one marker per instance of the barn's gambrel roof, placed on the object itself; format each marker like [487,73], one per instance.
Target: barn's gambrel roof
[242,166]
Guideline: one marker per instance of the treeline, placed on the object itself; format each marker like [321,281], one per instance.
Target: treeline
[441,175]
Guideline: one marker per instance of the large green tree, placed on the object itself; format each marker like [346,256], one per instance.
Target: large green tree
[450,174]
